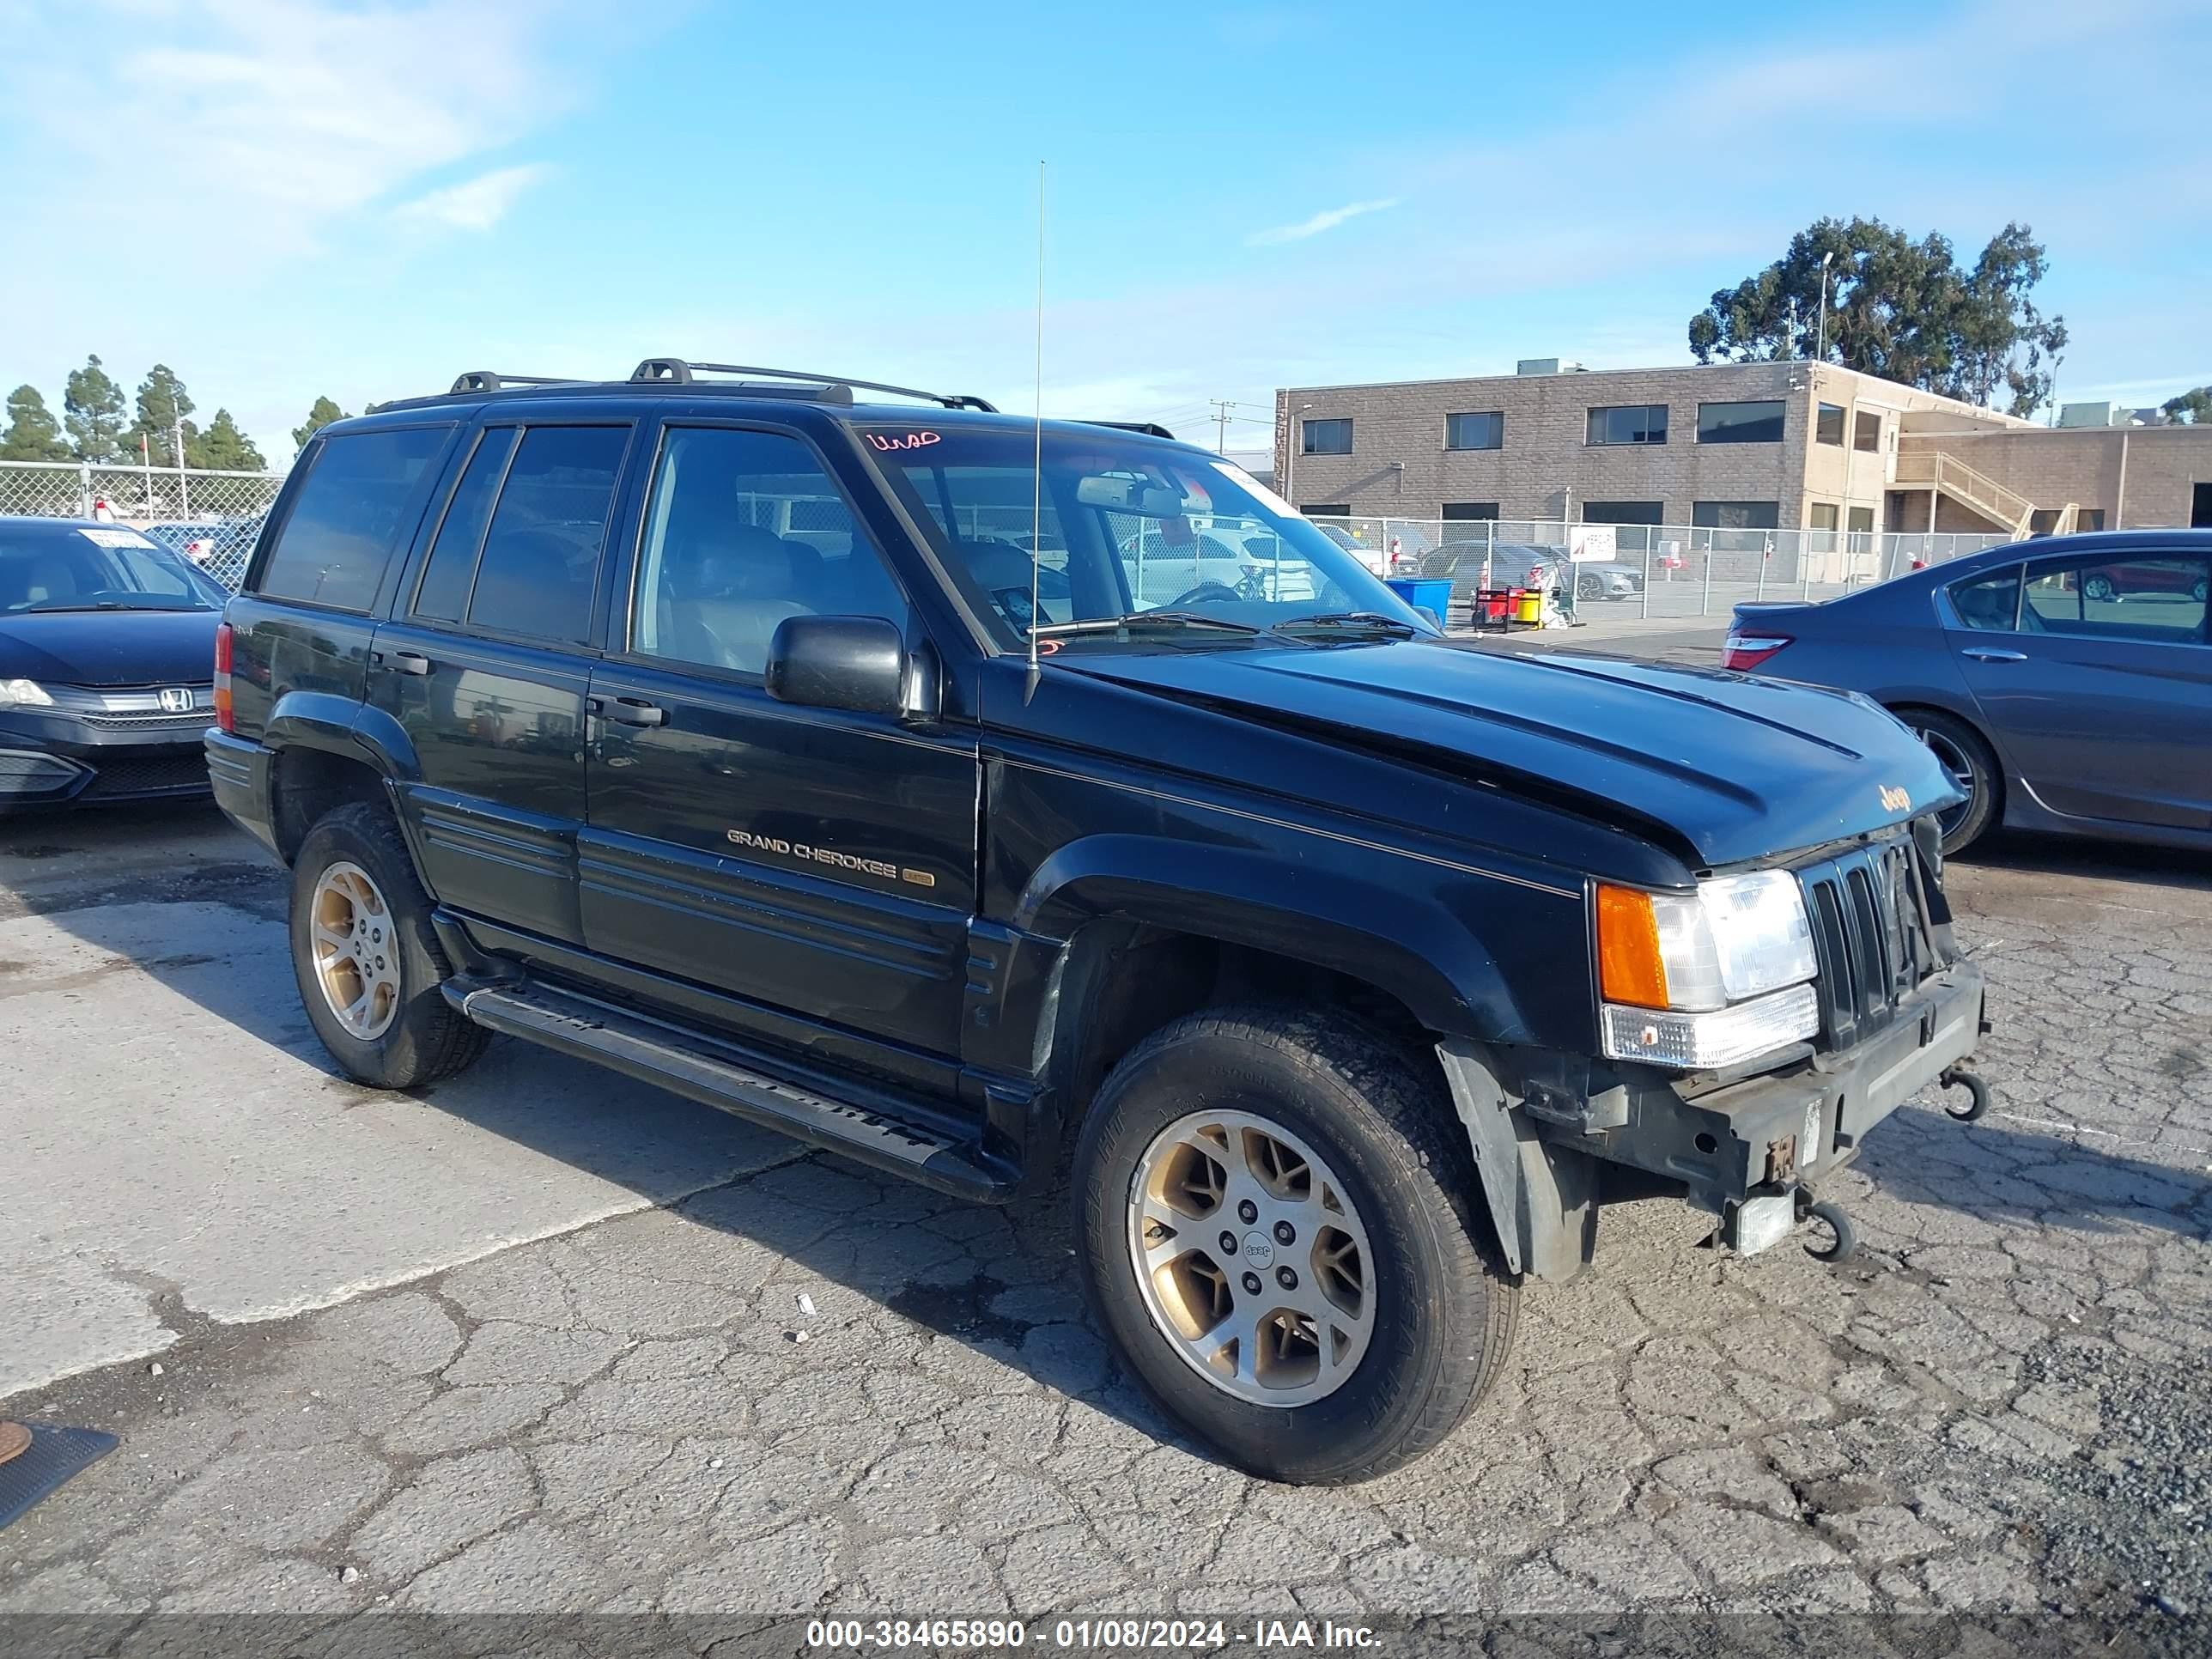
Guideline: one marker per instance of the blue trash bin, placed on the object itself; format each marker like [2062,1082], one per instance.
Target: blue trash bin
[1429,593]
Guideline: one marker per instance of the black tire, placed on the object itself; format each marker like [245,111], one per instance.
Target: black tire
[1445,1307]
[427,1040]
[1970,756]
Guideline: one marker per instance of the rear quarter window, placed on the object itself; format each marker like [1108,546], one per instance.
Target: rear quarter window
[353,510]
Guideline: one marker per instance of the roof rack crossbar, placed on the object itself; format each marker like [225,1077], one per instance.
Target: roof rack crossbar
[677,369]
[1150,428]
[489,379]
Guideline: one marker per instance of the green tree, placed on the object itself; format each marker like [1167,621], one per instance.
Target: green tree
[163,404]
[92,411]
[32,434]
[223,448]
[2194,406]
[1902,309]
[319,416]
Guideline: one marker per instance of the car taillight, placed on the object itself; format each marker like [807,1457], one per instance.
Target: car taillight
[1745,651]
[224,720]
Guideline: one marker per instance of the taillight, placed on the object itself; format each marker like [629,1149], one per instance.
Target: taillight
[224,720]
[1745,650]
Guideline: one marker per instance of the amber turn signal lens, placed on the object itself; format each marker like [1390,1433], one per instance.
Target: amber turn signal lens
[1630,968]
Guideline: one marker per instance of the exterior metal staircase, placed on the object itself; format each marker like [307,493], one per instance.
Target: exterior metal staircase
[1947,474]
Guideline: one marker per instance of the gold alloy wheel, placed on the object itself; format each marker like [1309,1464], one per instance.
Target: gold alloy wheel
[1251,1258]
[357,951]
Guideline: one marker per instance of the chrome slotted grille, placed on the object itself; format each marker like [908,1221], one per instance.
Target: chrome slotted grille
[1868,934]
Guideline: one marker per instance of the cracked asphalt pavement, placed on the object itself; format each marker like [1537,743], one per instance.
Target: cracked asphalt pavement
[540,1339]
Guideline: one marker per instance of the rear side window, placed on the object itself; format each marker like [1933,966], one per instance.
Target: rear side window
[1990,603]
[444,593]
[355,507]
[541,554]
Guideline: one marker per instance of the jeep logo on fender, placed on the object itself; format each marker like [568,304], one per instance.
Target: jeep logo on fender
[1894,799]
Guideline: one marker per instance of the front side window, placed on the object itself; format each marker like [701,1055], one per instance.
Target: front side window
[744,530]
[1990,603]
[2149,600]
[540,561]
[1629,423]
[1735,515]
[358,503]
[1828,425]
[1327,438]
[1479,431]
[1123,527]
[1740,422]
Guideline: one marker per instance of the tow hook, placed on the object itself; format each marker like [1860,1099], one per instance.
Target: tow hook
[1977,1094]
[1846,1236]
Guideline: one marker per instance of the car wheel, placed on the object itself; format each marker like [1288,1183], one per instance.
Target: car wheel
[1967,763]
[367,961]
[1274,1208]
[2097,587]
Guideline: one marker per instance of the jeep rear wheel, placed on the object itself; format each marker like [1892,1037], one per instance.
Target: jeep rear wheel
[1278,1244]
[367,958]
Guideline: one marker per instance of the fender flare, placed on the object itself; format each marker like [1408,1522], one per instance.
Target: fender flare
[1395,938]
[341,725]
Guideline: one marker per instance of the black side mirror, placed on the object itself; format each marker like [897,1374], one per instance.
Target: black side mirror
[856,663]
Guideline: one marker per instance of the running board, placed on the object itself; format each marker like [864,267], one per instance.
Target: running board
[720,1075]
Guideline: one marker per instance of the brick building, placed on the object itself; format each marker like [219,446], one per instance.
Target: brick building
[1730,446]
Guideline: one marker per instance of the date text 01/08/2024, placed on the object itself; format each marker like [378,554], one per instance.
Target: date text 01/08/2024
[1193,1635]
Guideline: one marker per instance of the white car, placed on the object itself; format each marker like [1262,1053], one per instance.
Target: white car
[1249,562]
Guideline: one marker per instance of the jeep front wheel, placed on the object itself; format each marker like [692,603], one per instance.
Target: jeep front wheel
[367,958]
[1278,1244]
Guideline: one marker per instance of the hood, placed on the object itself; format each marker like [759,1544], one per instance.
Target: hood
[1727,768]
[110,648]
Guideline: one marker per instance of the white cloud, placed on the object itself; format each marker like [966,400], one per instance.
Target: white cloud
[476,203]
[1328,219]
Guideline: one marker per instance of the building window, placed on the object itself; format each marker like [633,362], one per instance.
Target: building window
[1327,437]
[1828,425]
[1736,515]
[1327,509]
[1624,512]
[1866,432]
[1460,510]
[1629,423]
[1823,515]
[1483,431]
[1859,520]
[1739,424]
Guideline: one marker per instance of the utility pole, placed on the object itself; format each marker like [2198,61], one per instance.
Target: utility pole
[1222,417]
[184,484]
[1823,350]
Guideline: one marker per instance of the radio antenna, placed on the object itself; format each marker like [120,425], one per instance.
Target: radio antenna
[1037,468]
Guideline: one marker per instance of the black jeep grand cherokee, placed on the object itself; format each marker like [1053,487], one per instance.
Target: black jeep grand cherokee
[936,787]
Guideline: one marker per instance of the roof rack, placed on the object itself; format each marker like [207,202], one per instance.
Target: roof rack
[678,370]
[490,380]
[1150,428]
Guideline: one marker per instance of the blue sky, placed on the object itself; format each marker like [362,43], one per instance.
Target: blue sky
[284,197]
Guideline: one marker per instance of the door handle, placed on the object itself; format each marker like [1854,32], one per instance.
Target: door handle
[1992,653]
[628,711]
[407,662]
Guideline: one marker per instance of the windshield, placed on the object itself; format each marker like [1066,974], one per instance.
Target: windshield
[65,567]
[1125,528]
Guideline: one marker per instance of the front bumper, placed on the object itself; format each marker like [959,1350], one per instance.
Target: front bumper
[53,760]
[1768,1135]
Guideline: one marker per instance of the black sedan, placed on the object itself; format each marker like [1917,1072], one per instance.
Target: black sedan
[2065,684]
[107,665]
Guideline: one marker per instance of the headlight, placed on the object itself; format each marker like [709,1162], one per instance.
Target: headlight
[1698,961]
[23,694]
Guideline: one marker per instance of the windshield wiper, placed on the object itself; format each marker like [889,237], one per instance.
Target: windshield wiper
[1371,620]
[1136,620]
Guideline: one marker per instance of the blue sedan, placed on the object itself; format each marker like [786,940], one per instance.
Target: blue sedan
[2065,684]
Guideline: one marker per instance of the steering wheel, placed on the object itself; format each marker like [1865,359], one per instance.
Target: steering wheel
[1208,590]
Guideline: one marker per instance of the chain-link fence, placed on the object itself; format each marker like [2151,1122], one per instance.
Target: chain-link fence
[213,518]
[1657,570]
